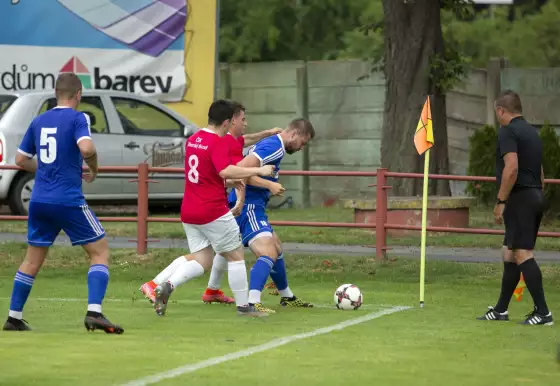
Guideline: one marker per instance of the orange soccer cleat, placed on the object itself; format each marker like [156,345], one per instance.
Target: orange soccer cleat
[216,296]
[148,289]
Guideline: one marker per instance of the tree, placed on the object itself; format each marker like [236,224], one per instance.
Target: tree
[417,63]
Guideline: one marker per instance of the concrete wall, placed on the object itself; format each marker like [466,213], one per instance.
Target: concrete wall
[348,114]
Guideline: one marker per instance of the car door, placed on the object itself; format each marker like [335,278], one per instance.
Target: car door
[152,136]
[107,186]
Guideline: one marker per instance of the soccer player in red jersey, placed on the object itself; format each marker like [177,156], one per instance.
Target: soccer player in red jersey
[236,140]
[208,222]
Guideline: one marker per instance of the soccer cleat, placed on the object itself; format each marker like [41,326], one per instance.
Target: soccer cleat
[162,297]
[13,324]
[216,296]
[97,321]
[259,307]
[494,315]
[251,311]
[534,318]
[148,290]
[294,302]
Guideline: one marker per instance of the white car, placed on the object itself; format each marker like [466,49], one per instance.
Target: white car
[127,129]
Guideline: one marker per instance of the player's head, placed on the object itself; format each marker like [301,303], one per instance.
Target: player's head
[507,107]
[238,121]
[68,89]
[220,114]
[297,134]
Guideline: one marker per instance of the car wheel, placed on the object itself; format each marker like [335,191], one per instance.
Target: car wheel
[20,195]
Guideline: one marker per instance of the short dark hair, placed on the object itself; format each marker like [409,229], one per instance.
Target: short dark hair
[509,100]
[303,127]
[220,111]
[237,108]
[67,86]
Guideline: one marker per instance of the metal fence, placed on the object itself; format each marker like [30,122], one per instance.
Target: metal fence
[381,226]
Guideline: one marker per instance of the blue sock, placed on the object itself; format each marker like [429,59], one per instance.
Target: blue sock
[278,274]
[259,274]
[98,279]
[22,287]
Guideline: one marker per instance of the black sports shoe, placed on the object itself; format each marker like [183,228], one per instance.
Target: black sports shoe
[13,324]
[294,302]
[494,315]
[535,318]
[97,321]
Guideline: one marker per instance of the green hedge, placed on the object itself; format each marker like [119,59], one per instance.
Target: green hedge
[482,162]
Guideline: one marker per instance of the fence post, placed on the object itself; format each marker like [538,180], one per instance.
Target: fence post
[142,207]
[381,215]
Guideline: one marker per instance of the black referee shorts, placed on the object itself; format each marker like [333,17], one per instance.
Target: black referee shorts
[522,218]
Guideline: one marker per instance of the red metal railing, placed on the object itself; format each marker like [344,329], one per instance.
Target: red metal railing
[381,226]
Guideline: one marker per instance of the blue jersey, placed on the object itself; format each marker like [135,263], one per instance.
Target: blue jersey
[53,136]
[270,151]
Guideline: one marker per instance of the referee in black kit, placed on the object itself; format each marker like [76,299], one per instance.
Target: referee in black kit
[520,205]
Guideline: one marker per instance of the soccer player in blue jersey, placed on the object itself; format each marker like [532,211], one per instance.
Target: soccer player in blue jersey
[61,139]
[257,233]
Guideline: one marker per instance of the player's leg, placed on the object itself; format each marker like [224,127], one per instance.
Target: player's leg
[529,221]
[213,293]
[185,270]
[280,279]
[148,288]
[84,229]
[226,239]
[42,230]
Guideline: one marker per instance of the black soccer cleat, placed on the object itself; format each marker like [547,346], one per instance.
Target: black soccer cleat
[97,321]
[494,315]
[535,318]
[13,324]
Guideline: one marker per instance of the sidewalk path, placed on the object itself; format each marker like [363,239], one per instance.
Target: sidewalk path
[477,255]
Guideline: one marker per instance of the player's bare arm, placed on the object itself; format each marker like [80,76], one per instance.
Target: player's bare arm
[509,175]
[89,153]
[240,202]
[275,188]
[251,139]
[29,164]
[235,172]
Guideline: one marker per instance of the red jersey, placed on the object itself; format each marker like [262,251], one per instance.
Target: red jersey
[206,155]
[236,146]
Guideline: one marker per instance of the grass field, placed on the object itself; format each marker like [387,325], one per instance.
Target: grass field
[480,218]
[439,345]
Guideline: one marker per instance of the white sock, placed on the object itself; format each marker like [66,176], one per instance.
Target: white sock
[94,307]
[164,275]
[15,314]
[219,267]
[237,277]
[286,293]
[186,271]
[254,296]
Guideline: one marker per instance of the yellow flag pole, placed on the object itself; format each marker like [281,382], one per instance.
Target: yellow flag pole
[424,221]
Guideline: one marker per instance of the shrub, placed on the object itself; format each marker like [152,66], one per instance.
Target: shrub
[482,162]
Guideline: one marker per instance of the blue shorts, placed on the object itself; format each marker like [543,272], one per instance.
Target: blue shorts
[252,221]
[47,220]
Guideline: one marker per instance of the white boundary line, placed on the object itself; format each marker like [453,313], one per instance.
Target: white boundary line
[260,348]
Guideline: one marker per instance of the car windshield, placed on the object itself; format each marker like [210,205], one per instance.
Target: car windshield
[5,103]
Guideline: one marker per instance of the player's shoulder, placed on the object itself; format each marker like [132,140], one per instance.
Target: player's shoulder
[273,141]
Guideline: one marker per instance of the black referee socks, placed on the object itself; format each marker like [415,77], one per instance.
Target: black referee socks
[511,276]
[533,278]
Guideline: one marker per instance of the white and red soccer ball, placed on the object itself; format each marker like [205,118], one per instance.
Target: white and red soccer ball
[348,297]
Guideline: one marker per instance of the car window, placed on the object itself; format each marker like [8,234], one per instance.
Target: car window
[5,102]
[139,118]
[92,106]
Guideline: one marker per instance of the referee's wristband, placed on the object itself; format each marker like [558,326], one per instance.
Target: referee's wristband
[501,201]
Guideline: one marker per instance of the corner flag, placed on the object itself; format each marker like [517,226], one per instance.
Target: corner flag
[424,140]
[519,289]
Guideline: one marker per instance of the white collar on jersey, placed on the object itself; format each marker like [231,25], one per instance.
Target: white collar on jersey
[282,142]
[208,130]
[62,107]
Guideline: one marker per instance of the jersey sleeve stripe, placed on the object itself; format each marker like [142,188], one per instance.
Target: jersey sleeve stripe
[259,157]
[82,138]
[25,153]
[88,123]
[273,156]
[268,160]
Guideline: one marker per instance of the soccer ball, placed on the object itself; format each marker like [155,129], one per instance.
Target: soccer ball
[348,297]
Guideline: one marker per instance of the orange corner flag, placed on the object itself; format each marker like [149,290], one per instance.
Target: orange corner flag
[424,136]
[519,289]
